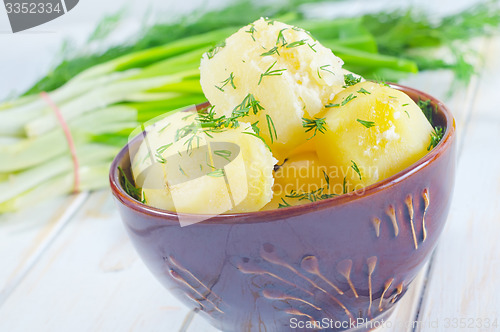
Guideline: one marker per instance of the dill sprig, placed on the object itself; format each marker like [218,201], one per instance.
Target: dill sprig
[348,99]
[133,191]
[272,51]
[229,80]
[316,124]
[296,43]
[255,127]
[182,171]
[367,124]
[251,31]
[363,91]
[271,127]
[284,204]
[312,196]
[355,168]
[331,105]
[162,148]
[248,104]
[325,68]
[281,38]
[428,109]
[214,50]
[226,154]
[350,79]
[270,72]
[160,158]
[327,179]
[436,137]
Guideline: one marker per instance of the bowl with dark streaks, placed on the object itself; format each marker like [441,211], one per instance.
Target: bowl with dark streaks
[338,264]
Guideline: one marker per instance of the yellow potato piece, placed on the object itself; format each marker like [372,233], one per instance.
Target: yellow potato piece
[376,130]
[287,72]
[304,173]
[223,172]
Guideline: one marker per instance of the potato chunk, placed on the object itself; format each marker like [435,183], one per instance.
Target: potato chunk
[289,73]
[185,168]
[375,130]
[303,178]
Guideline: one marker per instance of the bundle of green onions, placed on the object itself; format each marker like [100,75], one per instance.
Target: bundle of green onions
[103,97]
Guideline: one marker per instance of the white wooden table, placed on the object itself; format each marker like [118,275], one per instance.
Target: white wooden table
[67,265]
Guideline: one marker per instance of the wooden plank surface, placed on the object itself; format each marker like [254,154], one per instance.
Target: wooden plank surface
[464,285]
[90,279]
[25,235]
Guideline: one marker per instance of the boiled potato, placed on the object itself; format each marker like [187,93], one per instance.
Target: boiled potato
[223,171]
[303,173]
[375,130]
[286,71]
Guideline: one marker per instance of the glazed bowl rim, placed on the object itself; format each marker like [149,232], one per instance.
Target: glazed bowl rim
[278,214]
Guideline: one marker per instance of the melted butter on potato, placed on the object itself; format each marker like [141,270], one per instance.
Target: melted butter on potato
[286,70]
[221,171]
[376,130]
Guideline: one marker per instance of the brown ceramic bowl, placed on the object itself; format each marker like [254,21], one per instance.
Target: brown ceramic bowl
[332,261]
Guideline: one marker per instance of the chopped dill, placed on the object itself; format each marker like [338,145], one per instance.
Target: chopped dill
[312,196]
[331,105]
[348,99]
[327,179]
[162,148]
[324,68]
[312,47]
[272,51]
[355,168]
[427,108]
[270,124]
[296,43]
[181,170]
[363,91]
[436,136]
[214,50]
[251,31]
[351,80]
[165,127]
[281,38]
[269,72]
[316,124]
[223,154]
[367,124]
[229,80]
[132,190]
[255,128]
[284,205]
[160,159]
